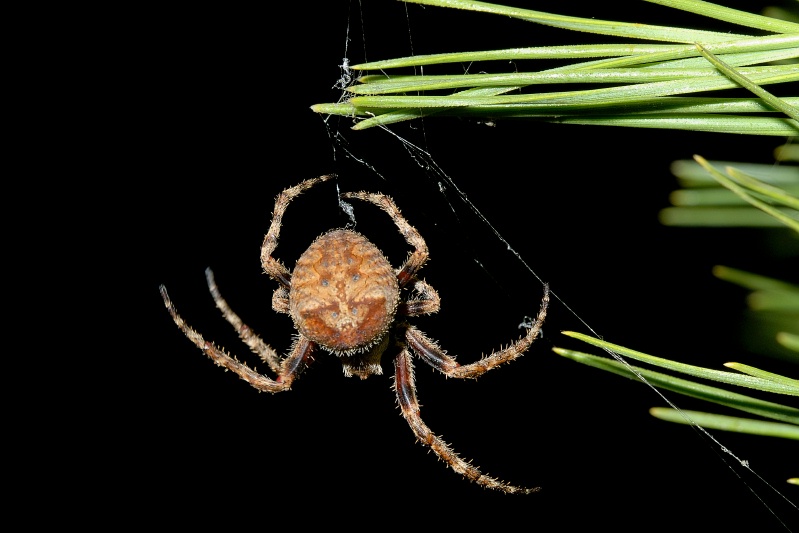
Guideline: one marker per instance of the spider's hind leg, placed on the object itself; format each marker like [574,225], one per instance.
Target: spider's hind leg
[274,268]
[419,256]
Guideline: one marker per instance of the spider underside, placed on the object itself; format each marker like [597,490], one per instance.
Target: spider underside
[344,297]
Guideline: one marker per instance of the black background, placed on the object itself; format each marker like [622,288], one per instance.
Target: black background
[218,108]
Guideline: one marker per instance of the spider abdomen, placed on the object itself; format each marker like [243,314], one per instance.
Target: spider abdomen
[344,292]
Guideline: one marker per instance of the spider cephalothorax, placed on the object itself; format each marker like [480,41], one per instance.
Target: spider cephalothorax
[344,296]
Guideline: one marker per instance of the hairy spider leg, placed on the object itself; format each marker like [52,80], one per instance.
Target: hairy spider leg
[291,367]
[432,354]
[250,338]
[418,257]
[425,302]
[405,388]
[273,267]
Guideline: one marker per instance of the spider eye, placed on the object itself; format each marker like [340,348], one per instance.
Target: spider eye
[325,283]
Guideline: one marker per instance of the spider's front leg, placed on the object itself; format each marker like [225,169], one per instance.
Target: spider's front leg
[406,396]
[290,368]
[250,338]
[433,355]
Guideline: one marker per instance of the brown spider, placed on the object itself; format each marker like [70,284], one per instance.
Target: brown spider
[344,296]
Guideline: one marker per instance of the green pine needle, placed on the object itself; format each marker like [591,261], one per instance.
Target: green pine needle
[791,387]
[717,395]
[654,85]
[727,423]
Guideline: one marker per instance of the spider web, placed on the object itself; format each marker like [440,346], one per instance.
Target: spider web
[456,199]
